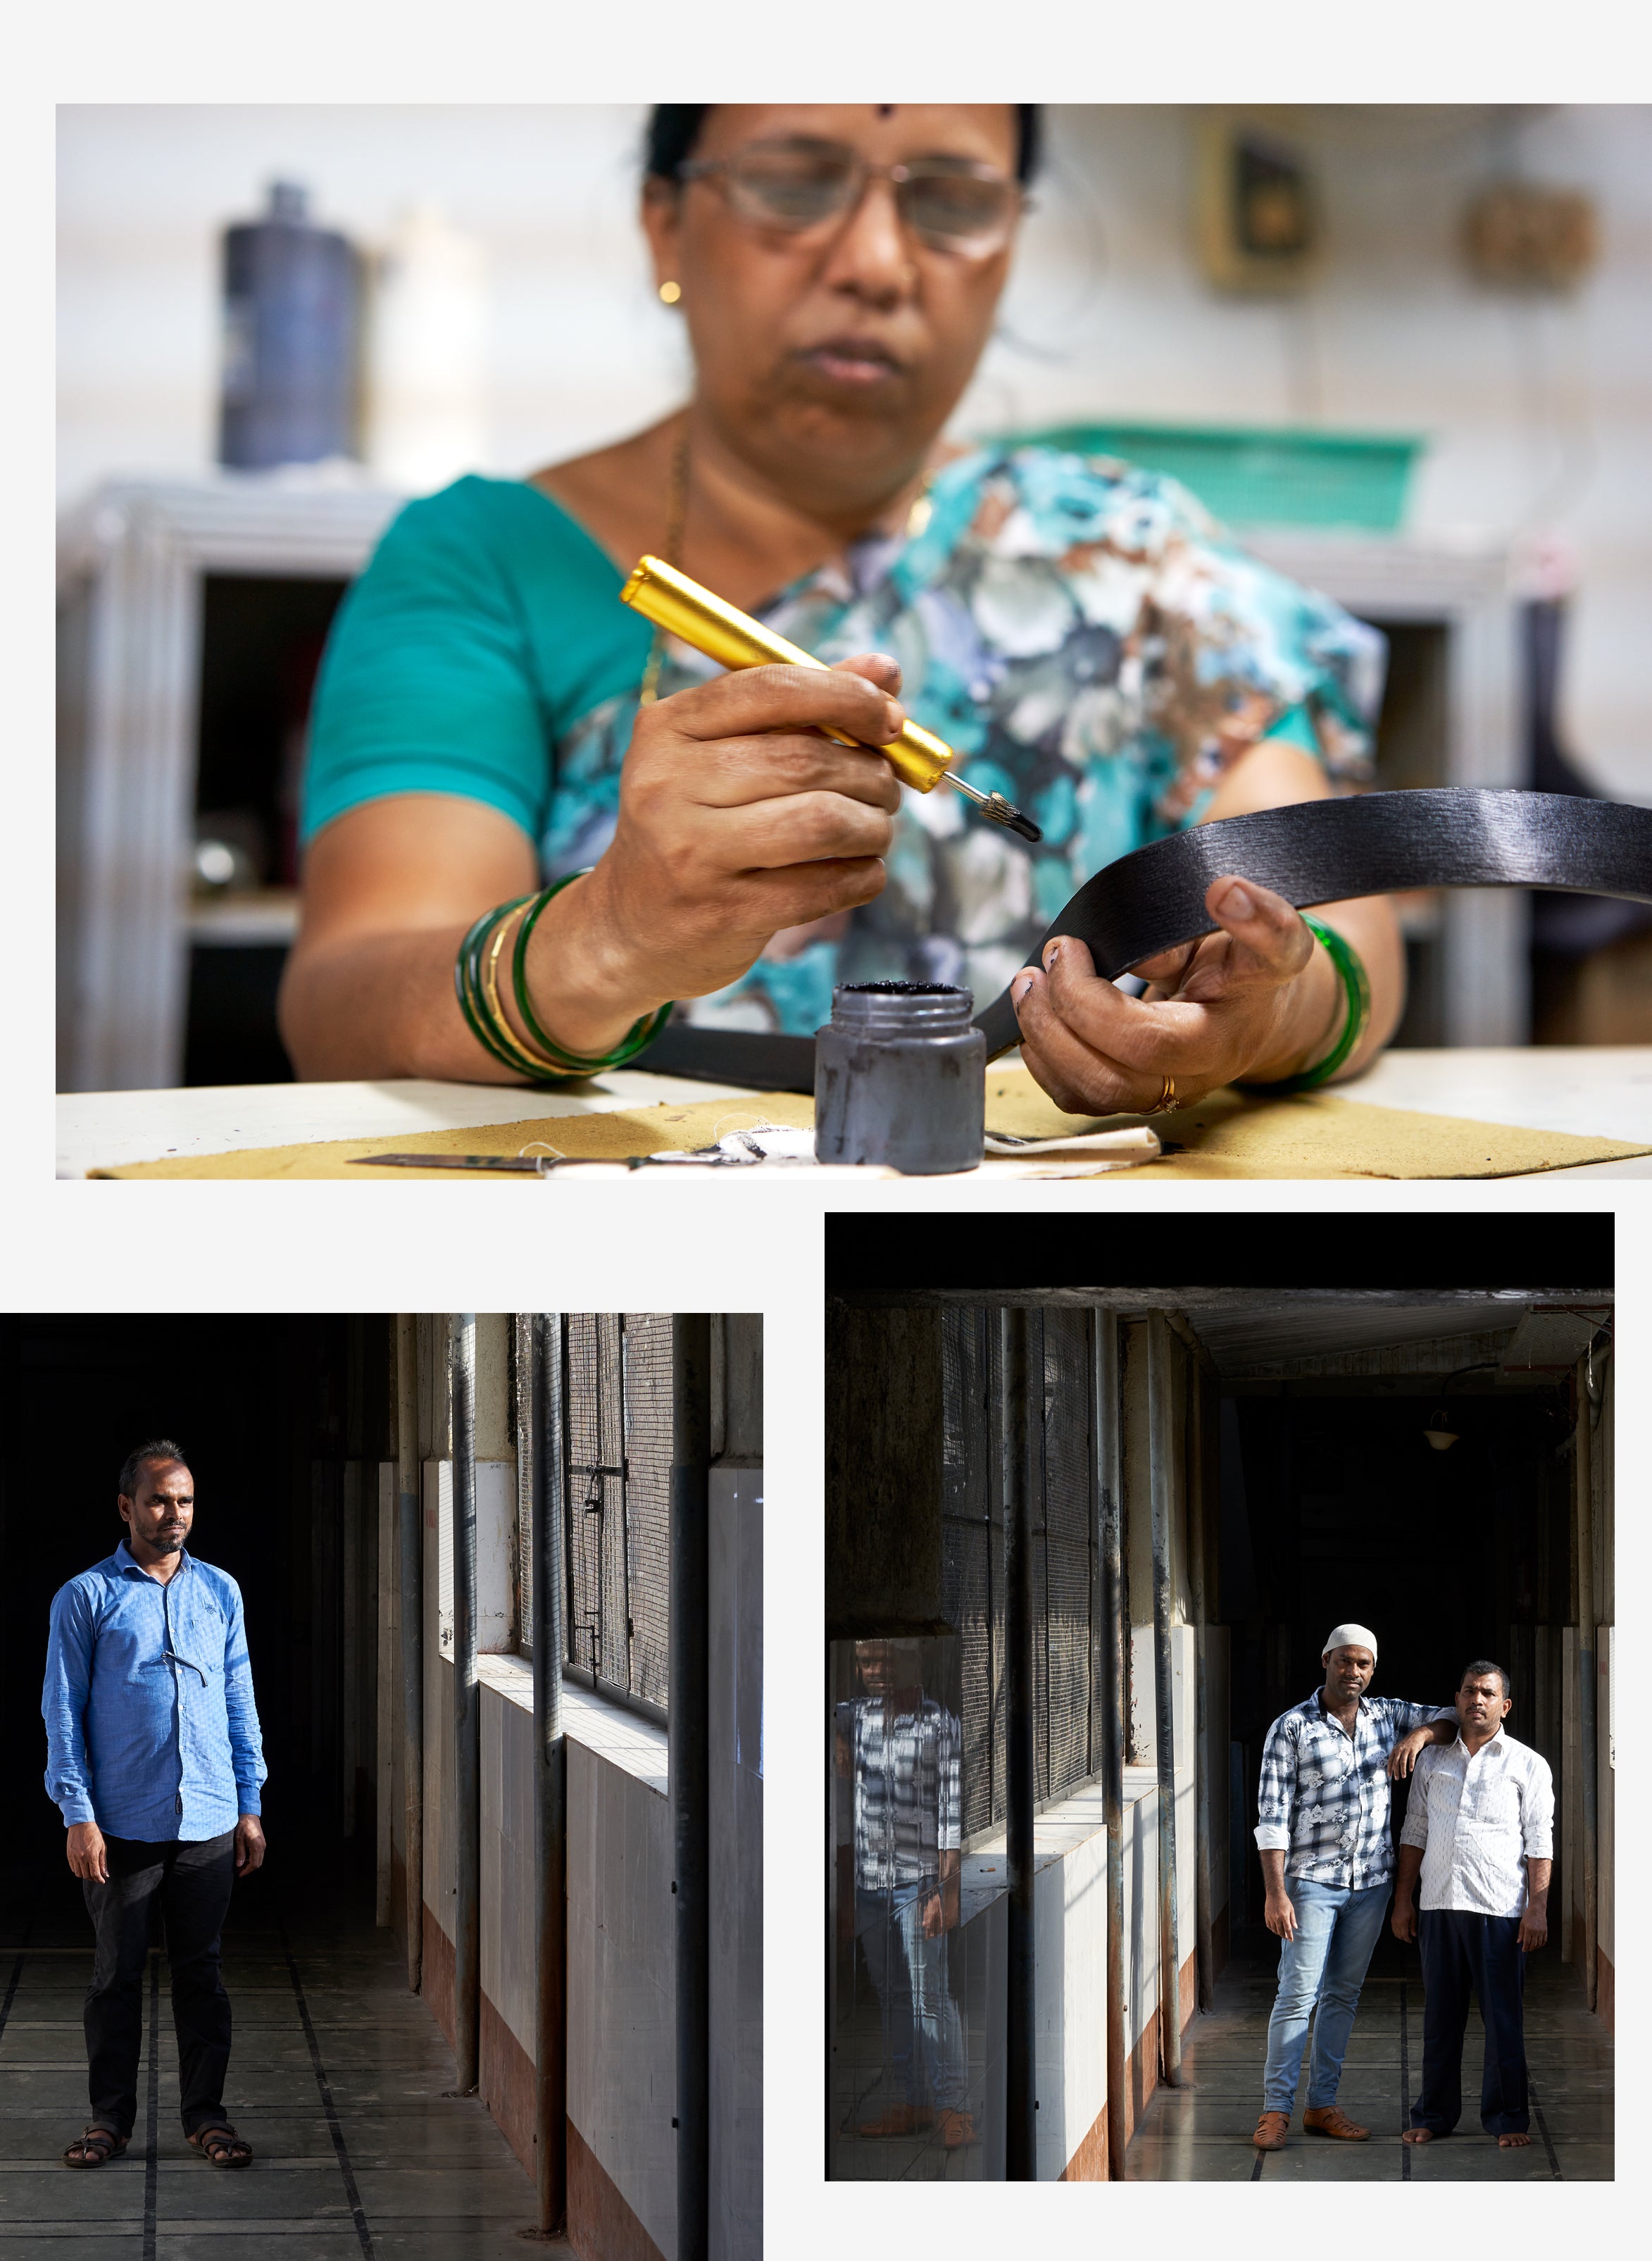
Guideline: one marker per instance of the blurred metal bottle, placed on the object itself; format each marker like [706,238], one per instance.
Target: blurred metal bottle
[292,321]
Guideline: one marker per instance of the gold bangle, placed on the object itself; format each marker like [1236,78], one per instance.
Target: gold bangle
[496,1021]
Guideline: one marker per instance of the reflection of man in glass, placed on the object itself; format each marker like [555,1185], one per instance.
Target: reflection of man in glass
[905,1751]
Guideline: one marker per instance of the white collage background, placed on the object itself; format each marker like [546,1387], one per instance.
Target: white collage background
[670,1246]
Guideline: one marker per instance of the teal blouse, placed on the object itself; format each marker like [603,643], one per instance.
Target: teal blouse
[1084,634]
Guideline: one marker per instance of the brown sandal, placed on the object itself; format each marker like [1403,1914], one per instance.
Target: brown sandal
[92,2148]
[222,2145]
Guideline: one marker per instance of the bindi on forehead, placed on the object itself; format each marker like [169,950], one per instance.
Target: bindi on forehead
[989,131]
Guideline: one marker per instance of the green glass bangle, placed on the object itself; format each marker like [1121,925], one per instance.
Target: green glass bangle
[640,1033]
[472,1004]
[1357,988]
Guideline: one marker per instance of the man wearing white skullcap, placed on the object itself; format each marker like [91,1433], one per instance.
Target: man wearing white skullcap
[1322,1823]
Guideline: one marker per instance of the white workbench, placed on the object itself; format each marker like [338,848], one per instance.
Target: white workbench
[1601,1093]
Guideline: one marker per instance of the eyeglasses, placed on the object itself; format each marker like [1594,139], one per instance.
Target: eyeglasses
[952,203]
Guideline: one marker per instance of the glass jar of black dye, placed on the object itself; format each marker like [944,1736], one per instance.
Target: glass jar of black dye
[900,1078]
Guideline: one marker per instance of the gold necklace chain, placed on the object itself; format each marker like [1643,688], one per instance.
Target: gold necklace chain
[677,511]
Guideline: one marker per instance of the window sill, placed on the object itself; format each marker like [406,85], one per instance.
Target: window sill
[1059,1830]
[627,1740]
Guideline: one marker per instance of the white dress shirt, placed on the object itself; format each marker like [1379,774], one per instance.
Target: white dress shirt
[1478,1820]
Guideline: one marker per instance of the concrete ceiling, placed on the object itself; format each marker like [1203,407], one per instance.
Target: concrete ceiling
[1271,1331]
[1526,1334]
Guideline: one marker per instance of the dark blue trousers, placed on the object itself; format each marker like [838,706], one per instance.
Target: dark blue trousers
[192,1882]
[1464,1952]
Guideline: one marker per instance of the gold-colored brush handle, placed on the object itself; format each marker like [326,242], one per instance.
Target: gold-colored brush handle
[733,639]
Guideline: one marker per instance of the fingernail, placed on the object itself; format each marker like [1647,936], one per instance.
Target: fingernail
[1236,903]
[1051,954]
[1020,986]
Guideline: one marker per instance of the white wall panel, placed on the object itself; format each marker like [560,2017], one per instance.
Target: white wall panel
[1538,410]
[621,1985]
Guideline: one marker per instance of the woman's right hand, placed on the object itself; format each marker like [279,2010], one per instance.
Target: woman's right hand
[736,819]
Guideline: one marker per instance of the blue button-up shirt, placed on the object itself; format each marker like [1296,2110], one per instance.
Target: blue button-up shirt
[151,1729]
[1325,1796]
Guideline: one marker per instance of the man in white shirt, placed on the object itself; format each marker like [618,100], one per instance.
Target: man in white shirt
[1479,1832]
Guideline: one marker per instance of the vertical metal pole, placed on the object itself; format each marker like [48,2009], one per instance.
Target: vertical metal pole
[467,1710]
[1106,1430]
[1162,1445]
[1582,1461]
[1020,2133]
[688,1734]
[349,1619]
[1195,1433]
[386,1699]
[550,1777]
[411,1580]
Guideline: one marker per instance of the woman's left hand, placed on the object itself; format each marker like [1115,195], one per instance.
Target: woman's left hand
[1255,1000]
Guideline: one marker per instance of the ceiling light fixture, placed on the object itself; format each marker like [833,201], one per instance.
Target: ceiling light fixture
[1437,1434]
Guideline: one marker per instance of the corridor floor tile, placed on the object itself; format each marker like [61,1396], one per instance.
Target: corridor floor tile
[1201,2131]
[1334,2163]
[32,2244]
[1183,2163]
[432,2173]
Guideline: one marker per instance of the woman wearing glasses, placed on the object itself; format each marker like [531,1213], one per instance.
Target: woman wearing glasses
[501,752]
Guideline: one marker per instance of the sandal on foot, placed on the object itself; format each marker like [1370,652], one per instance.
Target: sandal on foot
[222,2145]
[92,2148]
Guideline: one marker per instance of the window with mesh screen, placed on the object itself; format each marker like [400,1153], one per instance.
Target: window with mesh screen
[616,1491]
[1063,1554]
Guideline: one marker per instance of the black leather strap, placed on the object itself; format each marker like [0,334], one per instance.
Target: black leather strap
[747,1056]
[1315,852]
[1328,852]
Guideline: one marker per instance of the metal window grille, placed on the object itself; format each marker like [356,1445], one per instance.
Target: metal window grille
[616,1491]
[1064,1539]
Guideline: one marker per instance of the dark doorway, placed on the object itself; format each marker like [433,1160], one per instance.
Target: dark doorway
[1337,1507]
[270,1411]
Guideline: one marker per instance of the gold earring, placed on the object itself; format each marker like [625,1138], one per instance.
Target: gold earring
[669,293]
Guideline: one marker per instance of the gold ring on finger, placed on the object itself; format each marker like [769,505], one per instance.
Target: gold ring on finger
[1167,1102]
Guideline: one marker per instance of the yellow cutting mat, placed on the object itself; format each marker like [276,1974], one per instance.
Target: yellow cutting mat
[1314,1135]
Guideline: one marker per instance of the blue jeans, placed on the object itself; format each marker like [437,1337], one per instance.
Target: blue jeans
[1324,1965]
[923,2033]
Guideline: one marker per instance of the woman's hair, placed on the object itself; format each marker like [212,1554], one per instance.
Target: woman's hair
[674,127]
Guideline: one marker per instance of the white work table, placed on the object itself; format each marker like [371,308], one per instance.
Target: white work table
[1603,1093]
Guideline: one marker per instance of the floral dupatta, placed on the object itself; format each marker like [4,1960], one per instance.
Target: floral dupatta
[1093,645]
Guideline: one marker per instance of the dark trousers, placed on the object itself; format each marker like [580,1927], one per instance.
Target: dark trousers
[192,1884]
[1463,1953]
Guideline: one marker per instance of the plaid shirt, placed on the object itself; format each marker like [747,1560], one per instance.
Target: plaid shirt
[908,1792]
[1325,1798]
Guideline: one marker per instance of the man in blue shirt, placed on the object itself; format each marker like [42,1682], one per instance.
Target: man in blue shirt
[154,1757]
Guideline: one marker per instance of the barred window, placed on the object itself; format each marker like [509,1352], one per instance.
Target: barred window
[1064,1561]
[616,1493]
